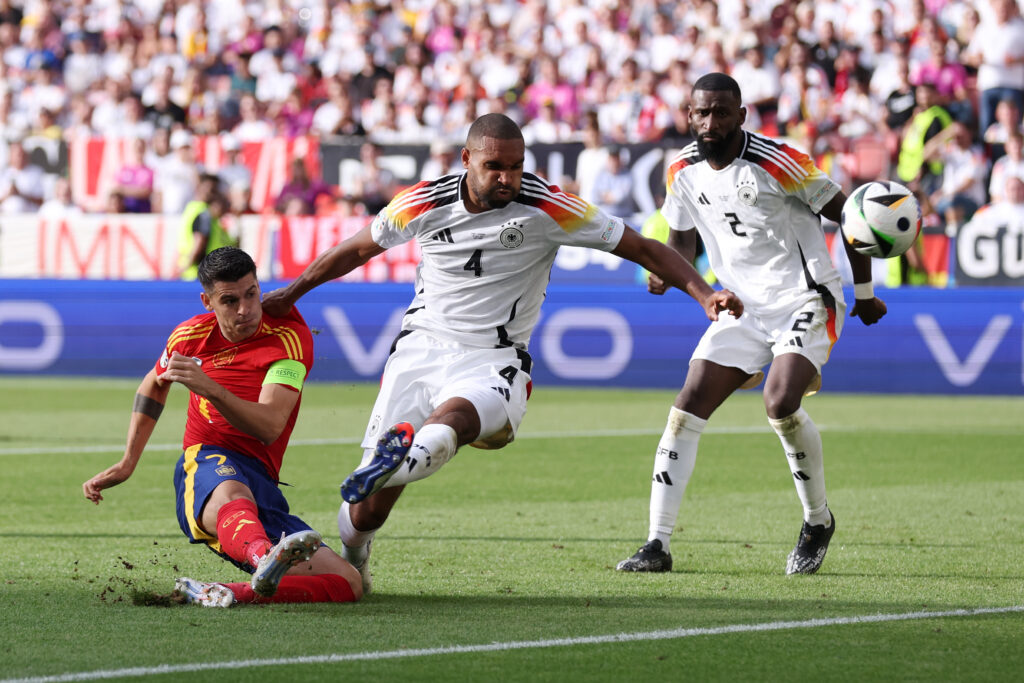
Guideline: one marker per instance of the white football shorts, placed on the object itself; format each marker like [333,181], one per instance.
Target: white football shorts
[751,342]
[424,371]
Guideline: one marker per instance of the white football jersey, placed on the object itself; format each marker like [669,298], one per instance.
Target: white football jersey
[758,220]
[482,276]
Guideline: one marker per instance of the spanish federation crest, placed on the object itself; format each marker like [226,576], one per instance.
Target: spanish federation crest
[511,237]
[747,194]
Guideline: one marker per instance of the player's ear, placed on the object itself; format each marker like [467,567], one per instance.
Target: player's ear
[205,298]
[743,115]
[465,157]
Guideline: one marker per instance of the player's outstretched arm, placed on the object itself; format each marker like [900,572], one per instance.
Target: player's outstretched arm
[149,403]
[264,419]
[674,270]
[330,265]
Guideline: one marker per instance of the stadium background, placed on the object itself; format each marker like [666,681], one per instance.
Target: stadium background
[69,282]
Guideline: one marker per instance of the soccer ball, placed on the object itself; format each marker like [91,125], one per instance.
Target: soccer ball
[881,219]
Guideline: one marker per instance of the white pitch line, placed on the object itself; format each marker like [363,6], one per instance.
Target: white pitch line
[601,433]
[355,440]
[672,634]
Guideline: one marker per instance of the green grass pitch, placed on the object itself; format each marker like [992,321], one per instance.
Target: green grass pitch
[518,547]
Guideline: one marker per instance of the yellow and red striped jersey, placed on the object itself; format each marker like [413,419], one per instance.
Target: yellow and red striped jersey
[240,368]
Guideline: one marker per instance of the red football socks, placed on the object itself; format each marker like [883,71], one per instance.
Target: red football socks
[318,588]
[241,535]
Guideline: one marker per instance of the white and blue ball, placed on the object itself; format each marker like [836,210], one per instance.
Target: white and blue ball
[881,219]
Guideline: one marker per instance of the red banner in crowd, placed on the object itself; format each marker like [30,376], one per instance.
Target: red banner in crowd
[302,238]
[94,163]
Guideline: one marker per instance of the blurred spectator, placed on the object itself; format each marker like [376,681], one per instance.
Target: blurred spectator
[547,87]
[546,127]
[134,180]
[901,101]
[293,118]
[300,195]
[177,178]
[613,186]
[374,185]
[242,80]
[336,116]
[964,169]
[997,51]
[252,127]
[856,110]
[60,205]
[929,119]
[21,182]
[758,80]
[1010,165]
[1007,118]
[235,176]
[443,161]
[591,160]
[950,79]
[163,112]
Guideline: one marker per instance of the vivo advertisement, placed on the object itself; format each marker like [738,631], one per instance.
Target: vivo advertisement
[957,341]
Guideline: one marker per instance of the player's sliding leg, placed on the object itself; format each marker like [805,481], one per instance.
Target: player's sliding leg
[204,593]
[388,455]
[290,551]
[673,466]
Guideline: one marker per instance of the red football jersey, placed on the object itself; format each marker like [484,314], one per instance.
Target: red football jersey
[239,368]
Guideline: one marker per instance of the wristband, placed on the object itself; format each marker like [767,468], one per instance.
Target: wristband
[863,290]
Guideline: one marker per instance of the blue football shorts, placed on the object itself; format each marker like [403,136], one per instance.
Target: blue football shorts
[202,468]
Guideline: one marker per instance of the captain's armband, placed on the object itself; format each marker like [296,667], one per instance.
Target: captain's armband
[291,373]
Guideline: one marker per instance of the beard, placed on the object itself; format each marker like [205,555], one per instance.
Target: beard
[718,151]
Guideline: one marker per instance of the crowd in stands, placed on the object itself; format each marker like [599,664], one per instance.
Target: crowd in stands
[930,92]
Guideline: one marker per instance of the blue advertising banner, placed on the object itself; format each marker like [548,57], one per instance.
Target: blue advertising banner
[967,341]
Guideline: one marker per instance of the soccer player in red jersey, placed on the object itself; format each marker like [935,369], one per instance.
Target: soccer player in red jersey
[245,372]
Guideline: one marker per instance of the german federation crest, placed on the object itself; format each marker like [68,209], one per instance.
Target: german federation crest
[747,194]
[511,237]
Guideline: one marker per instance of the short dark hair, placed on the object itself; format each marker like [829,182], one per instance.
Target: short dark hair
[497,126]
[226,264]
[718,81]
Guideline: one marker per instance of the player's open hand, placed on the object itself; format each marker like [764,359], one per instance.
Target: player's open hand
[723,300]
[112,476]
[870,311]
[276,304]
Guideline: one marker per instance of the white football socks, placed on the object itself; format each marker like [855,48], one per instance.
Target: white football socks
[802,442]
[673,466]
[353,540]
[432,447]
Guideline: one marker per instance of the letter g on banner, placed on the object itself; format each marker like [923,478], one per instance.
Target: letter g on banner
[43,354]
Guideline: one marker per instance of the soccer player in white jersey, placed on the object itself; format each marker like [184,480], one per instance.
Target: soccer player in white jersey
[459,371]
[756,204]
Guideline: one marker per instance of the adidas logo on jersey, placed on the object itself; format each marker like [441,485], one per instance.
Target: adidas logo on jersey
[443,235]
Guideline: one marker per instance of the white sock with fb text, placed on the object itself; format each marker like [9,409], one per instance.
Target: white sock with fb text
[802,442]
[433,446]
[673,466]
